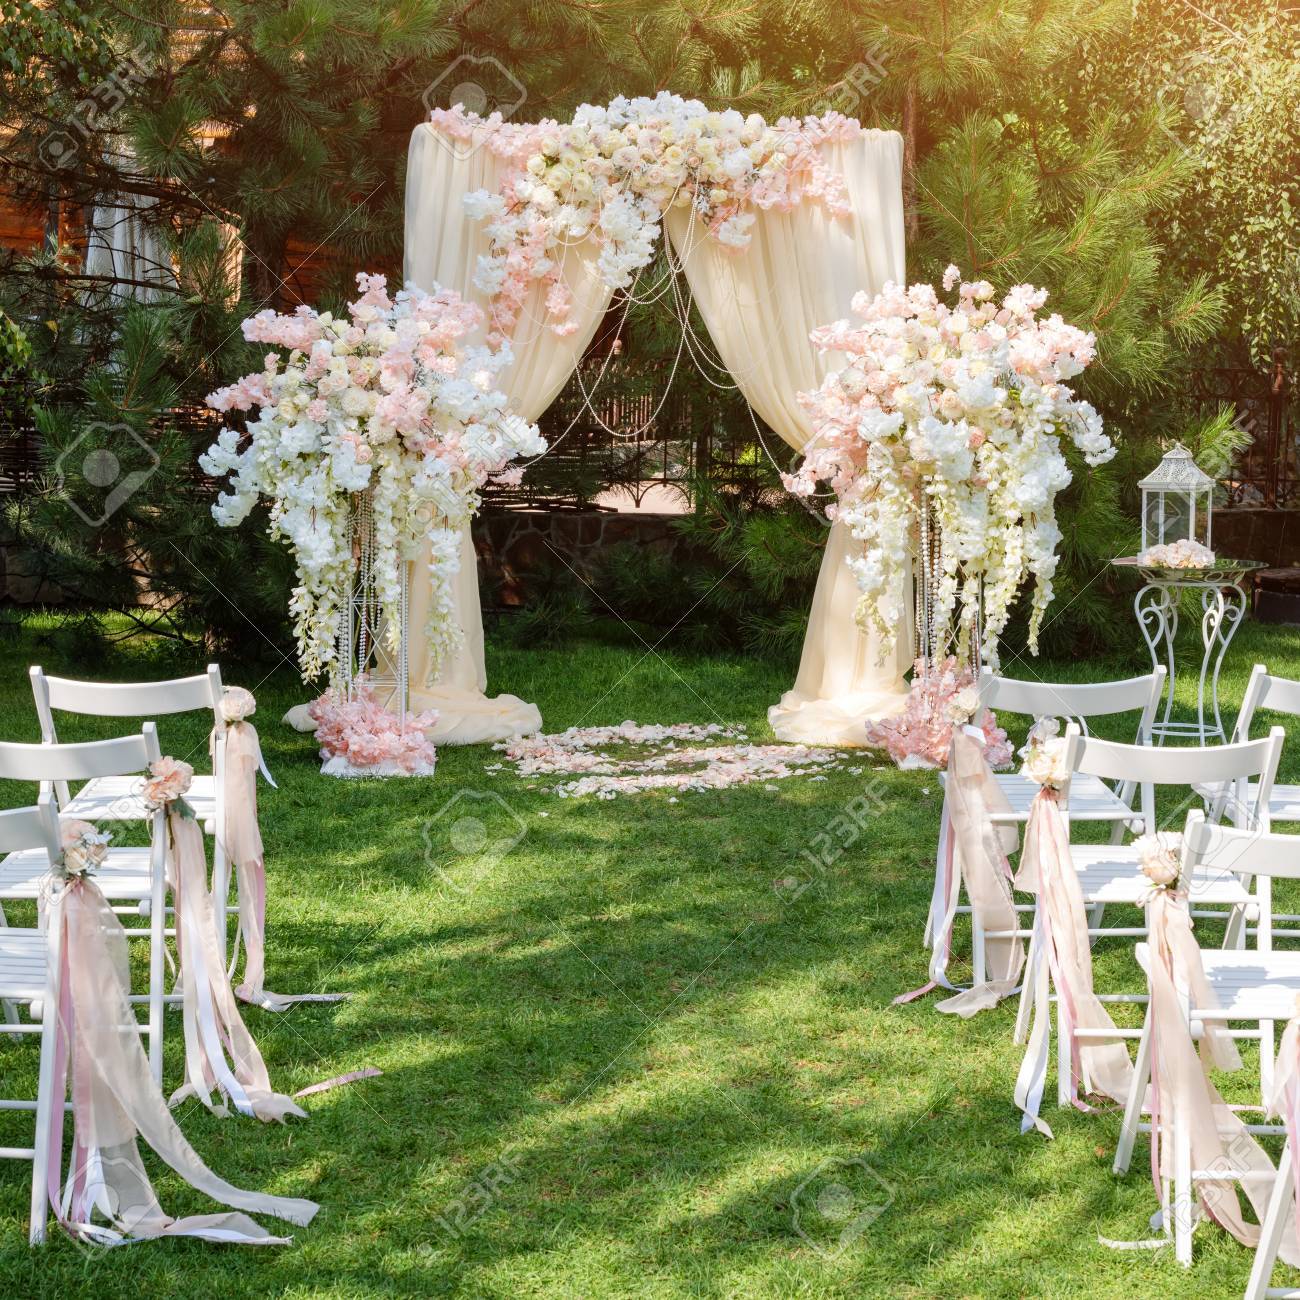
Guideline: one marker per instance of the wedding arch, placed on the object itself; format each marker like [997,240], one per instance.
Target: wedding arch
[800,265]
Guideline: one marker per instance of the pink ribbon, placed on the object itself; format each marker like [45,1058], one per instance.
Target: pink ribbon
[242,840]
[973,850]
[1061,950]
[1181,1090]
[115,1100]
[212,1021]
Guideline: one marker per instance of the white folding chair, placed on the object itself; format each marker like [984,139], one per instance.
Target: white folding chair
[115,798]
[1112,873]
[133,879]
[29,974]
[1258,987]
[1280,695]
[1092,798]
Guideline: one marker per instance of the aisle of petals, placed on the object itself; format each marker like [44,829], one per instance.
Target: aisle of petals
[672,757]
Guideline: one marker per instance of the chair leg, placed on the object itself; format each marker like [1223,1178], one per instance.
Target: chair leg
[1133,1107]
[1272,1229]
[1267,1059]
[1234,934]
[45,1103]
[157,951]
[1184,1193]
[979,972]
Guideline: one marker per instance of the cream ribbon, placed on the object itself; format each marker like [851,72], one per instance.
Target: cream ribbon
[972,850]
[1061,951]
[211,1014]
[1285,1101]
[242,841]
[115,1100]
[1181,1091]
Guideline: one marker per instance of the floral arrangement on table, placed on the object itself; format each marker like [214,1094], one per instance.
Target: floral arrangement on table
[941,439]
[391,404]
[943,697]
[1161,856]
[1182,554]
[613,171]
[360,737]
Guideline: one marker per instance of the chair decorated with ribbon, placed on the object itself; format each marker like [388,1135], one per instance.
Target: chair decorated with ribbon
[981,812]
[131,878]
[1073,883]
[73,973]
[1202,1151]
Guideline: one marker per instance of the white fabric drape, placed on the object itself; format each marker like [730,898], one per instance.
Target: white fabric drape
[801,270]
[120,245]
[443,246]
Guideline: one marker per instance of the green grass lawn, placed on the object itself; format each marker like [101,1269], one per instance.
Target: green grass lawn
[616,1060]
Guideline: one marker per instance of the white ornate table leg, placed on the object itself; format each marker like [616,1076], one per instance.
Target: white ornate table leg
[1156,607]
[1223,608]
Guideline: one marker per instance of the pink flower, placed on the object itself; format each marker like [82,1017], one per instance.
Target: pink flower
[168,780]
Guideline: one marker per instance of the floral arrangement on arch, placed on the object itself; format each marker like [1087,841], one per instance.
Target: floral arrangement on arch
[941,439]
[390,400]
[613,171]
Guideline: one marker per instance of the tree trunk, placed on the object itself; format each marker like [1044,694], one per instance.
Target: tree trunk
[911,216]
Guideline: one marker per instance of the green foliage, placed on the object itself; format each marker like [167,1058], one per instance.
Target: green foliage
[1223,83]
[1046,140]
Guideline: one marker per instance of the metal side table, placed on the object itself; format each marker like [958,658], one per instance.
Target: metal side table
[1223,606]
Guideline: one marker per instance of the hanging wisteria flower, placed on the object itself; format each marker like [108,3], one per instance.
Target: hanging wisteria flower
[392,401]
[84,847]
[943,435]
[613,171]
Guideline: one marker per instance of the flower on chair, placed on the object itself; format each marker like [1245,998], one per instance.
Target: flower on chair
[1161,857]
[84,848]
[168,780]
[237,704]
[1044,755]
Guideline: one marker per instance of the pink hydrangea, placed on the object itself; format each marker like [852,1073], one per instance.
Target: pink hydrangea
[366,734]
[940,698]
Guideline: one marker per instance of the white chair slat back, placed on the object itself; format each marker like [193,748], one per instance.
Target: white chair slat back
[1151,766]
[124,699]
[1077,701]
[123,756]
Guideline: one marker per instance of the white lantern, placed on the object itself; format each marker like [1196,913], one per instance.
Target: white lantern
[1176,501]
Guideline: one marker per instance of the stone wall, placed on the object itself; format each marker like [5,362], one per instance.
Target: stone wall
[513,543]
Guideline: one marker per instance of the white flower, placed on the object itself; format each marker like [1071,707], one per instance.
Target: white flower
[1161,857]
[1045,764]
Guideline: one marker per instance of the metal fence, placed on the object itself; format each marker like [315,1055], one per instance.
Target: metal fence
[1266,473]
[629,426]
